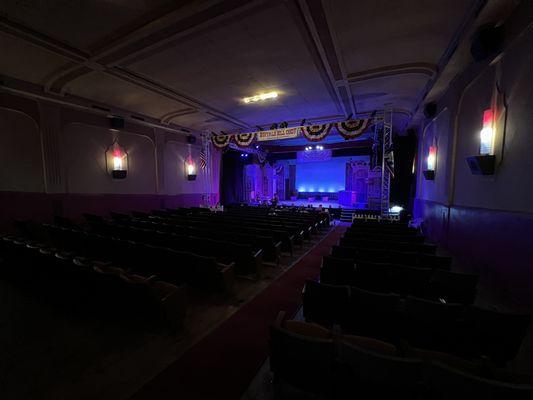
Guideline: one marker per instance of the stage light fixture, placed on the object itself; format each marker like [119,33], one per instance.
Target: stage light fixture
[395,209]
[260,97]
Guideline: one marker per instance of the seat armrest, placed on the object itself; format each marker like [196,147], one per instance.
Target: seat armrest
[279,319]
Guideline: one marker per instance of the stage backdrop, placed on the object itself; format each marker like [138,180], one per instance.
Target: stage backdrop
[321,176]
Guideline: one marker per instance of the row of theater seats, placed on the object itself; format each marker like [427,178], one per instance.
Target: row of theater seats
[463,330]
[285,228]
[88,285]
[246,259]
[426,282]
[177,267]
[338,366]
[368,287]
[271,233]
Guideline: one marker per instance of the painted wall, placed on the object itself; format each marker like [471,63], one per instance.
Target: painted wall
[485,221]
[52,162]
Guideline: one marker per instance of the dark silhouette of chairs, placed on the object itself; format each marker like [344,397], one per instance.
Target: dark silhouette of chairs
[325,304]
[447,382]
[454,287]
[432,324]
[302,355]
[372,369]
[373,314]
[337,271]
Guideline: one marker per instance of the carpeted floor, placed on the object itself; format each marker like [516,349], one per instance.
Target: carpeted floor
[222,364]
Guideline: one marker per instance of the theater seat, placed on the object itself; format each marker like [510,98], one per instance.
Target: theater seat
[373,314]
[301,356]
[447,382]
[325,304]
[454,287]
[369,369]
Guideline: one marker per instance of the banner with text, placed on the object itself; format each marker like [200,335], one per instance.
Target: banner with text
[275,134]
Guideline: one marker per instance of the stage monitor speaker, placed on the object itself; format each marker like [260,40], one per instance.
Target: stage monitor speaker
[430,110]
[482,165]
[191,139]
[116,123]
[487,41]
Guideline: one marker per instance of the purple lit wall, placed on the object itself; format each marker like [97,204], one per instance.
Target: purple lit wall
[52,162]
[486,222]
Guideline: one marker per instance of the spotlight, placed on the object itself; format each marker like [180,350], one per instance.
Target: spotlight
[395,209]
[257,146]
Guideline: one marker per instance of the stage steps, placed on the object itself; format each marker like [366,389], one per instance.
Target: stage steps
[347,214]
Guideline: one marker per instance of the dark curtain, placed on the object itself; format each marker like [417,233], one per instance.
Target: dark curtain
[232,179]
[403,183]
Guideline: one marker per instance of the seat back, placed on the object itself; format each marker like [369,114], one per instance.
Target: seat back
[373,373]
[325,304]
[448,383]
[305,362]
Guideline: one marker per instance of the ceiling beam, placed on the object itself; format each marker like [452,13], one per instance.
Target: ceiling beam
[427,69]
[319,26]
[135,43]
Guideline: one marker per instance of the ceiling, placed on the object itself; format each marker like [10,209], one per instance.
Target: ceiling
[190,63]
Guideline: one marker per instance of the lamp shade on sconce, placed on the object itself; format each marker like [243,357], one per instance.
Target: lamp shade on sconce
[190,169]
[117,161]
[485,162]
[486,135]
[431,161]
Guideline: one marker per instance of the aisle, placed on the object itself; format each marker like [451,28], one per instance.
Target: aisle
[222,364]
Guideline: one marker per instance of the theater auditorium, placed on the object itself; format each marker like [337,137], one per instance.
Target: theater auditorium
[266,199]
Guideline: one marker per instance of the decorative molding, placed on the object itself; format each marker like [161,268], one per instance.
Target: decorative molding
[427,69]
[51,147]
[106,60]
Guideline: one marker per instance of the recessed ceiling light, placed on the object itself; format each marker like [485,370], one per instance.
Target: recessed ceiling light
[260,97]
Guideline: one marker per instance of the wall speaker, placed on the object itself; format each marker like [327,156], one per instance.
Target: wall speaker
[191,139]
[487,41]
[116,123]
[430,110]
[482,165]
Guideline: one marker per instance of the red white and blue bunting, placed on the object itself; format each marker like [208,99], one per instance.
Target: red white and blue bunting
[314,133]
[220,141]
[244,139]
[352,128]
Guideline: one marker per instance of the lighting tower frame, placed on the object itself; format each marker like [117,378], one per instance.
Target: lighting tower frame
[386,142]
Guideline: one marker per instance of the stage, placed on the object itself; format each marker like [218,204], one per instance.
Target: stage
[305,203]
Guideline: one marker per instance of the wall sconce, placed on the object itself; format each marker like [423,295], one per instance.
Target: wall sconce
[484,163]
[431,160]
[116,161]
[190,169]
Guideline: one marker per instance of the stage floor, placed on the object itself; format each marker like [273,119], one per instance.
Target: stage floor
[305,203]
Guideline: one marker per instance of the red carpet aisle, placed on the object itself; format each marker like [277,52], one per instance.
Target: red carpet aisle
[222,364]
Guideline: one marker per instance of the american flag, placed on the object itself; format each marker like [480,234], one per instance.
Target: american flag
[203,161]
